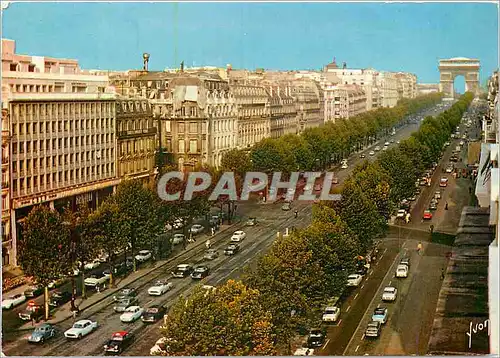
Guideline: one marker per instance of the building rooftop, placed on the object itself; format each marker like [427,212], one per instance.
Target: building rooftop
[463,299]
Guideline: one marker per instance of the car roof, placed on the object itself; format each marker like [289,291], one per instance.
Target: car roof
[184,265]
[131,308]
[83,321]
[390,289]
[380,310]
[402,267]
[119,334]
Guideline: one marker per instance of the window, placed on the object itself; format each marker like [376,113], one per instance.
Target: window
[13,66]
[193,146]
[192,127]
[168,126]
[181,127]
[181,146]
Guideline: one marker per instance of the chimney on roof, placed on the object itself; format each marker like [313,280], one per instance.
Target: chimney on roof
[145,58]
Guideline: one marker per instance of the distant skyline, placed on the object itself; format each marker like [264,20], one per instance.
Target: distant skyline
[408,37]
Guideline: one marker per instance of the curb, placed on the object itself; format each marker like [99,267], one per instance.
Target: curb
[114,290]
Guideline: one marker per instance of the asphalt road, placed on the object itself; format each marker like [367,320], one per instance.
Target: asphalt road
[259,238]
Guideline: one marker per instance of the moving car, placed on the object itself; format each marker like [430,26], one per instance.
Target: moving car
[200,272]
[402,271]
[231,249]
[331,314]
[182,270]
[251,222]
[42,333]
[59,298]
[354,280]
[433,204]
[125,293]
[316,337]
[211,254]
[373,329]
[380,315]
[122,305]
[389,294]
[160,287]
[372,153]
[153,314]
[131,314]
[286,207]
[197,229]
[238,236]
[80,329]
[386,144]
[449,169]
[177,239]
[12,301]
[33,291]
[118,343]
[427,215]
[437,195]
[143,255]
[443,182]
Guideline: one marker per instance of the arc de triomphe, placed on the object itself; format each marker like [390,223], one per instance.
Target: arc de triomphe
[458,66]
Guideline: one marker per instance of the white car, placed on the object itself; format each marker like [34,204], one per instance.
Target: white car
[177,239]
[402,271]
[385,147]
[80,329]
[401,214]
[92,265]
[13,301]
[238,236]
[389,294]
[131,314]
[304,352]
[143,255]
[372,153]
[178,224]
[160,288]
[449,169]
[95,280]
[377,148]
[386,144]
[331,314]
[354,280]
[160,347]
[196,229]
[344,166]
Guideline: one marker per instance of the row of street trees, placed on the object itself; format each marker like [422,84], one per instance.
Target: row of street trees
[292,281]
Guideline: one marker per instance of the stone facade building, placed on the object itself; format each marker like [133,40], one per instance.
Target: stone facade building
[283,113]
[388,89]
[136,138]
[344,101]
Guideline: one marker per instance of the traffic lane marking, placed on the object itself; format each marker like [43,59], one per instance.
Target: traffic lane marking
[348,308]
[356,348]
[326,343]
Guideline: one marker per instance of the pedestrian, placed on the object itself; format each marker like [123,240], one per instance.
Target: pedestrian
[442,273]
[419,247]
[208,244]
[184,244]
[74,315]
[432,229]
[446,206]
[213,231]
[98,289]
[296,214]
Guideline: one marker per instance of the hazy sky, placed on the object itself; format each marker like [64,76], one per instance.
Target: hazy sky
[397,37]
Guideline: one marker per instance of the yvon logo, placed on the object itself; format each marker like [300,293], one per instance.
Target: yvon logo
[478,327]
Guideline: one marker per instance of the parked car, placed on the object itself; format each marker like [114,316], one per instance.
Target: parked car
[143,256]
[125,303]
[42,333]
[437,195]
[182,270]
[316,337]
[197,229]
[118,343]
[238,236]
[380,315]
[405,261]
[178,224]
[354,280]
[402,271]
[177,239]
[304,351]
[389,294]
[200,272]
[373,329]
[211,254]
[131,314]
[33,291]
[286,207]
[59,298]
[231,249]
[96,280]
[13,301]
[153,314]
[160,287]
[433,205]
[362,156]
[80,329]
[344,166]
[331,314]
[160,347]
[92,265]
[372,153]
[32,312]
[401,214]
[377,148]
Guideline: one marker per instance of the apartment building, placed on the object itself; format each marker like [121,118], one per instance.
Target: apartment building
[407,85]
[283,114]
[309,102]
[387,84]
[136,138]
[343,101]
[61,130]
[6,235]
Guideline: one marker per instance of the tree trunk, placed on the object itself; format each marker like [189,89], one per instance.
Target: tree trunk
[46,301]
[111,268]
[73,292]
[132,249]
[82,270]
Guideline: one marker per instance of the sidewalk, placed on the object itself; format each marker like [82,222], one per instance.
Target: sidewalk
[64,313]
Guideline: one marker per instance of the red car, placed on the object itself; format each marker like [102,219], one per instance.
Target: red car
[427,215]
